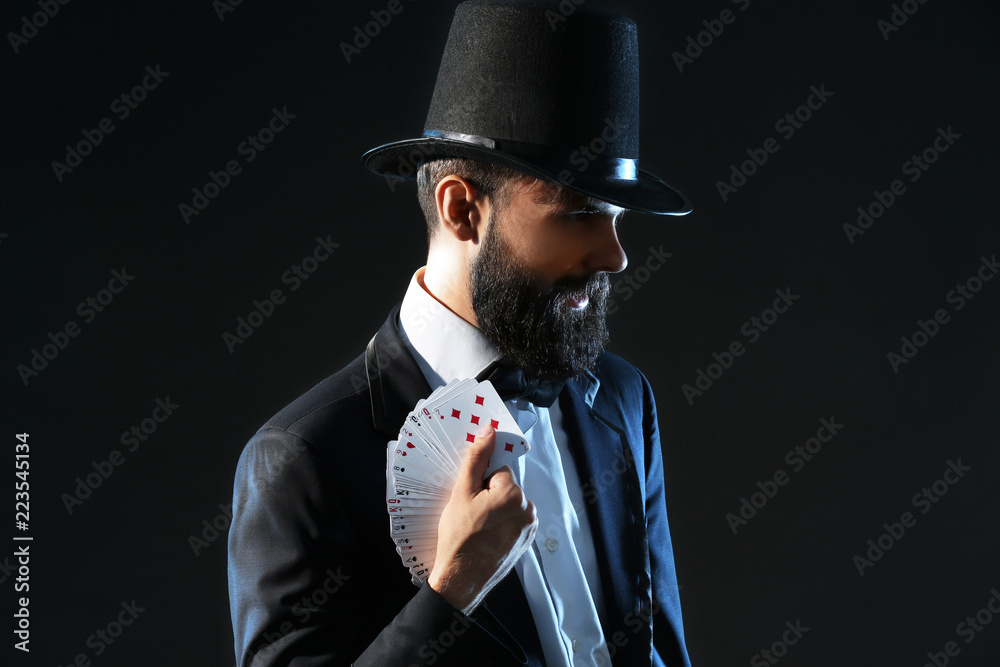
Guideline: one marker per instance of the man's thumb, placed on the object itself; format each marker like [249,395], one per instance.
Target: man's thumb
[477,459]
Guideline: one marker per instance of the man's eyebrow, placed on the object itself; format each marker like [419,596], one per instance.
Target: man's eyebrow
[600,205]
[551,195]
[592,204]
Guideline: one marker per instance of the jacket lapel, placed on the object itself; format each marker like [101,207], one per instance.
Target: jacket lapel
[394,378]
[613,498]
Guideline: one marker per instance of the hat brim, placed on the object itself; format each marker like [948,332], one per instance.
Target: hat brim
[646,193]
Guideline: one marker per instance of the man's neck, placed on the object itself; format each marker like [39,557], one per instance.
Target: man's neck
[443,344]
[447,289]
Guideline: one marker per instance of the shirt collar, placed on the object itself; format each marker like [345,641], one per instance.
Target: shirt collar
[444,345]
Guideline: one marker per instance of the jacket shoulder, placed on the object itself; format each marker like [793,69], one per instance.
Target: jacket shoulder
[342,400]
[620,378]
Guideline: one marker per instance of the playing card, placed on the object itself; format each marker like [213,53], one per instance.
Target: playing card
[411,461]
[415,427]
[429,414]
[416,541]
[399,492]
[461,417]
[431,505]
[423,463]
[414,557]
[411,437]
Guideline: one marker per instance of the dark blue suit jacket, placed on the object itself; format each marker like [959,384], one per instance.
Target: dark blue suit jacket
[314,579]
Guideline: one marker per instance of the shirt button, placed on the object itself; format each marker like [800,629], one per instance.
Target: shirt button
[576,645]
[551,545]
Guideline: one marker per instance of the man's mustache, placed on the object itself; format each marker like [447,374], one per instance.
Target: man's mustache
[591,285]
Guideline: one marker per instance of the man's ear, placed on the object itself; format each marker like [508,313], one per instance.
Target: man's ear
[461,211]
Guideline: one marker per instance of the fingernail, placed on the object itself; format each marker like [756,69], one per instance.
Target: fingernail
[484,431]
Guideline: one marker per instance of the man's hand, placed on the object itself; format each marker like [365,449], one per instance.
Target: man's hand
[484,529]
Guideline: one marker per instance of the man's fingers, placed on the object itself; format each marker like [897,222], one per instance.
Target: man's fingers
[501,478]
[530,509]
[505,474]
[477,459]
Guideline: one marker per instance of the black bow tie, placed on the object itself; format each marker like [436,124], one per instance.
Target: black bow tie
[511,383]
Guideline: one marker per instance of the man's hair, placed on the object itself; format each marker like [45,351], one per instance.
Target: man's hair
[492,181]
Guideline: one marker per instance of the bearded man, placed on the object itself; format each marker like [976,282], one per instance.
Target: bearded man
[527,164]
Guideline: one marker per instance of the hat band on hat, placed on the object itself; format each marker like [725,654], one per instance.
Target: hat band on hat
[619,169]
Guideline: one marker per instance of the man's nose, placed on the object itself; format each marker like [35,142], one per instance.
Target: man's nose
[607,253]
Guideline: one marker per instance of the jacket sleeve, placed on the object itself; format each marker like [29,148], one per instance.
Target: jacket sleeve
[669,648]
[306,592]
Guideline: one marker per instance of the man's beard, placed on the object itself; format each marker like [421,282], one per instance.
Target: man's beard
[535,326]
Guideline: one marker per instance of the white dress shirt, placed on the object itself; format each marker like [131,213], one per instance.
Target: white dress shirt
[559,571]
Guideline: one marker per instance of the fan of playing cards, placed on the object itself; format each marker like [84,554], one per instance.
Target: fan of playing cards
[423,464]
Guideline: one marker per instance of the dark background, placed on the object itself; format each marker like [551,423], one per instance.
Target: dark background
[826,357]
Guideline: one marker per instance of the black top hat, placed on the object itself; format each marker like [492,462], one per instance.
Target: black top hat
[546,91]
